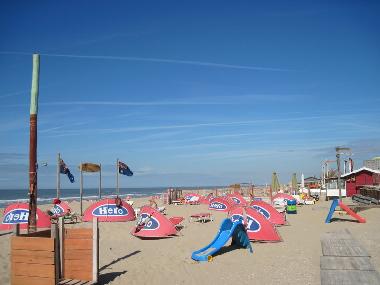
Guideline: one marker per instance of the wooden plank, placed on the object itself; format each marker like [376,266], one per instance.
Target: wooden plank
[32,243]
[71,244]
[349,277]
[22,280]
[32,259]
[78,275]
[78,264]
[44,233]
[32,253]
[346,263]
[78,254]
[343,247]
[33,270]
[75,282]
[78,233]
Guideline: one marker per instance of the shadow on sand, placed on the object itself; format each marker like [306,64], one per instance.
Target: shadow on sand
[119,259]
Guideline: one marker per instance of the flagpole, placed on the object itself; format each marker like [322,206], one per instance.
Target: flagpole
[100,182]
[81,189]
[58,174]
[32,218]
[117,177]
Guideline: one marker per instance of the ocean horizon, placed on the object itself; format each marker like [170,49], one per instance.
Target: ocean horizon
[46,196]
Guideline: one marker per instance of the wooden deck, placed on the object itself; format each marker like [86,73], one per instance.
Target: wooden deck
[345,261]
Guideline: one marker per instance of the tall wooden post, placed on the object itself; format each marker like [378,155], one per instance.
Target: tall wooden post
[338,181]
[58,175]
[100,182]
[32,219]
[81,189]
[117,177]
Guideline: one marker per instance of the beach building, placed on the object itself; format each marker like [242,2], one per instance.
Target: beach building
[312,182]
[373,163]
[361,177]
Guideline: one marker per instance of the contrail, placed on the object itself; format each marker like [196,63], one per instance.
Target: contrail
[156,60]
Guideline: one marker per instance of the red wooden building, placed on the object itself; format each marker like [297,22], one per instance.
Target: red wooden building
[360,177]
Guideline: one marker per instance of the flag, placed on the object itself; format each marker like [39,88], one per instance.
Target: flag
[65,170]
[89,167]
[124,169]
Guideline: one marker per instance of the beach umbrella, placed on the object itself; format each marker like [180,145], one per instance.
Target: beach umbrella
[294,183]
[302,181]
[275,184]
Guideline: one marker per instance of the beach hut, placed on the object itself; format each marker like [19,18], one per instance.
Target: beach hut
[108,210]
[360,177]
[258,227]
[18,213]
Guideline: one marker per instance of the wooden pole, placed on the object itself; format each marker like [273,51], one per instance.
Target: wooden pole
[338,168]
[95,250]
[32,219]
[117,177]
[58,174]
[81,189]
[100,182]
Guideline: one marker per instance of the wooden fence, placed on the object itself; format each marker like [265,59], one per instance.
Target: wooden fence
[56,256]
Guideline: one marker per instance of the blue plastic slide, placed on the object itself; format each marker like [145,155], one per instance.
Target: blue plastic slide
[227,230]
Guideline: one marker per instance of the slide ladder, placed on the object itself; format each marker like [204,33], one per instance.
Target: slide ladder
[344,207]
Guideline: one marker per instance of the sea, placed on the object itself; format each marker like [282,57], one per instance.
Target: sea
[46,196]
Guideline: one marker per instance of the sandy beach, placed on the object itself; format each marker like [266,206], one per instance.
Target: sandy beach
[125,259]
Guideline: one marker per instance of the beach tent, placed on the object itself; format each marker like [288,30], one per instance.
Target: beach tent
[269,212]
[192,197]
[258,227]
[106,210]
[153,224]
[238,199]
[60,209]
[206,199]
[283,196]
[223,204]
[18,213]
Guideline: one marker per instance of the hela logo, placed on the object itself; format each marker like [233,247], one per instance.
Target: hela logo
[151,223]
[236,200]
[16,216]
[252,224]
[218,206]
[57,210]
[262,211]
[109,210]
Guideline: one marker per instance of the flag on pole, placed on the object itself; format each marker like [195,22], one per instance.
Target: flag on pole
[89,167]
[65,170]
[124,169]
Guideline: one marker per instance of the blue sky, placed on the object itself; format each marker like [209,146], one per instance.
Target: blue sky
[189,92]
